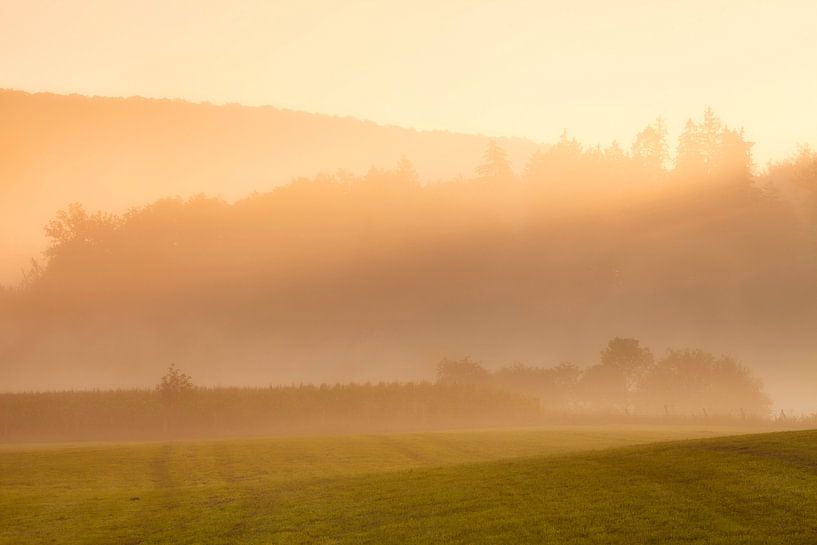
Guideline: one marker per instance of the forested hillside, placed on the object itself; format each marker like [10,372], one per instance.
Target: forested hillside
[343,277]
[115,153]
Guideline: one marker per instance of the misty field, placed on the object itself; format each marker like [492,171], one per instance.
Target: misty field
[560,485]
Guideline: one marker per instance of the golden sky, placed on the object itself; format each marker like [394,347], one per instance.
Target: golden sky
[600,68]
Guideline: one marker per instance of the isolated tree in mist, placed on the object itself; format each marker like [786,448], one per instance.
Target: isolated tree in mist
[497,166]
[174,385]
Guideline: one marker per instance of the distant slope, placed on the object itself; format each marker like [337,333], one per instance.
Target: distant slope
[113,153]
[380,489]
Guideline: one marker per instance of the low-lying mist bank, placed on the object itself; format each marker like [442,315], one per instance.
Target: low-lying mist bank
[225,412]
[627,386]
[325,410]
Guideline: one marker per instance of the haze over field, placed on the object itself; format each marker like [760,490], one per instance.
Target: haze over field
[549,211]
[342,278]
[353,271]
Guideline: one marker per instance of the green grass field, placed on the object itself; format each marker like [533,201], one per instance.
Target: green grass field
[567,485]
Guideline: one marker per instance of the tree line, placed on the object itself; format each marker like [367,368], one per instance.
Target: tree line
[626,387]
[628,380]
[178,409]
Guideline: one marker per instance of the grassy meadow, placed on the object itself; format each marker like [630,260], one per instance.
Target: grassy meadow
[555,485]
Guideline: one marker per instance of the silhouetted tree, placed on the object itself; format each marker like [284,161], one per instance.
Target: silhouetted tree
[497,166]
[74,226]
[691,157]
[650,147]
[709,149]
[174,385]
[629,358]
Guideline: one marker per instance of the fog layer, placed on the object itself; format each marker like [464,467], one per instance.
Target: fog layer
[342,278]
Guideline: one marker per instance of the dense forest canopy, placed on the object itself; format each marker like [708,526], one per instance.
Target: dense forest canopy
[342,277]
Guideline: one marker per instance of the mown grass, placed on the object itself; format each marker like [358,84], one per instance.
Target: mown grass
[567,485]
